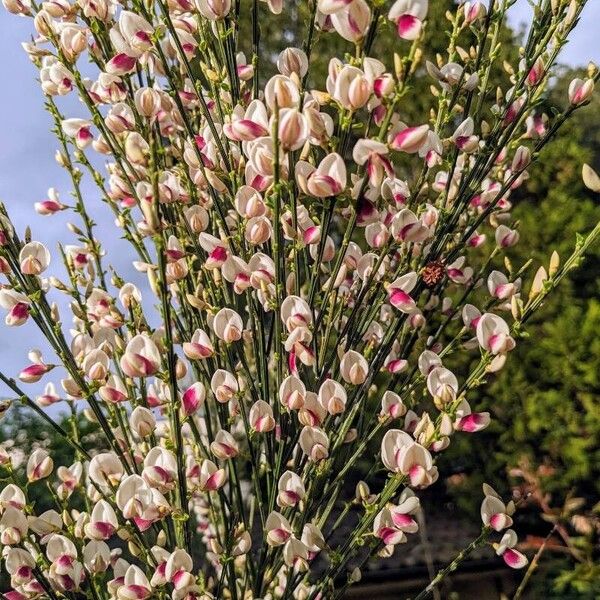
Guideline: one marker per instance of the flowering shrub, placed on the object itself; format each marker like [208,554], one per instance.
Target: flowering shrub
[314,262]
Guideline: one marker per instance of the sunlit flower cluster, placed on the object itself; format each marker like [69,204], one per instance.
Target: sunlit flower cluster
[315,284]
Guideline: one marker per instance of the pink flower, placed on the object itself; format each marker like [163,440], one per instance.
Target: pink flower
[193,398]
[17,305]
[51,205]
[506,237]
[468,421]
[35,371]
[399,291]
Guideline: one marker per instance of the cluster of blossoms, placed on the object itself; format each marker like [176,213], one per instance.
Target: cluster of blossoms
[309,265]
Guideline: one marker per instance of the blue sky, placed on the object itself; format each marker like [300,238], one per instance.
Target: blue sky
[27,167]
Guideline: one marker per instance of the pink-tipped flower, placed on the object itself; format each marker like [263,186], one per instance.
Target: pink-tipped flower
[328,179]
[79,130]
[35,371]
[580,91]
[401,454]
[249,125]
[160,469]
[103,521]
[214,10]
[493,334]
[500,287]
[193,398]
[11,495]
[178,569]
[399,291]
[408,15]
[39,465]
[135,585]
[385,529]
[278,529]
[34,258]
[474,10]
[312,413]
[470,316]
[211,477]
[261,417]
[291,489]
[227,325]
[314,443]
[374,154]
[142,421]
[494,512]
[17,305]
[352,22]
[224,445]
[136,32]
[408,505]
[410,139]
[295,313]
[458,272]
[506,549]
[536,73]
[114,390]
[142,357]
[392,406]
[468,421]
[506,237]
[199,347]
[463,136]
[50,205]
[407,227]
